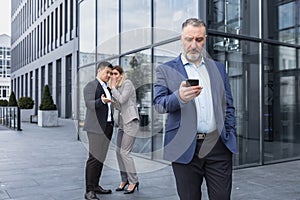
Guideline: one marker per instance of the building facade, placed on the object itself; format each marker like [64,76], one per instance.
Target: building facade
[5,60]
[44,48]
[258,41]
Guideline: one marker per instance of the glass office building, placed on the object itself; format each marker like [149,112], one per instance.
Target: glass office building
[258,42]
[5,60]
[44,49]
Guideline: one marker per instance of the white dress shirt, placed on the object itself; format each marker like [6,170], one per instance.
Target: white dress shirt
[205,111]
[104,86]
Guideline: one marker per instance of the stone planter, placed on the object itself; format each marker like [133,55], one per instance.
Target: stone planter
[47,118]
[25,114]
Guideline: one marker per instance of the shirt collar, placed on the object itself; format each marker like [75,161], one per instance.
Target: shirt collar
[186,62]
[101,82]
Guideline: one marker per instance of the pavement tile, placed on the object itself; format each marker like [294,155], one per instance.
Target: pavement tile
[48,164]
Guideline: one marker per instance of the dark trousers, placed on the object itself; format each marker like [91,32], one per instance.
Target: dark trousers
[215,167]
[98,147]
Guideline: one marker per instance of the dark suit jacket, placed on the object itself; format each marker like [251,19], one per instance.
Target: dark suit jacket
[181,124]
[96,110]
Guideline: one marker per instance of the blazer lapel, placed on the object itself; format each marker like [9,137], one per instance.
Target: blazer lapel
[99,90]
[217,92]
[180,68]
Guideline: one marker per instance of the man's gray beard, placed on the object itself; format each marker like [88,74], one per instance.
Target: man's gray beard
[193,58]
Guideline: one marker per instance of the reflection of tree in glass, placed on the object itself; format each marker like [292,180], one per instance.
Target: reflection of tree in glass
[140,74]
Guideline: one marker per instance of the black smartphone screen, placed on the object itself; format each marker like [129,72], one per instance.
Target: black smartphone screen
[192,82]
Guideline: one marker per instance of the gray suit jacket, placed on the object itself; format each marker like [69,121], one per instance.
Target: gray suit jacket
[125,101]
[96,110]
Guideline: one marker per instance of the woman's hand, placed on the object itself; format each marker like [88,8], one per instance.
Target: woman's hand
[113,82]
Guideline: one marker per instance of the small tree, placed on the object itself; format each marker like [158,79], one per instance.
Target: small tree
[12,100]
[25,103]
[47,100]
[3,102]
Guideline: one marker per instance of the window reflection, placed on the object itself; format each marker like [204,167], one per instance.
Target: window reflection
[232,16]
[84,76]
[161,55]
[107,28]
[135,33]
[87,29]
[286,58]
[138,69]
[280,21]
[281,103]
[169,15]
[243,70]
[286,15]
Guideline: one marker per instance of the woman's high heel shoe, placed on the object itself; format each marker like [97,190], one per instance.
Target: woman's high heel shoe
[122,188]
[132,191]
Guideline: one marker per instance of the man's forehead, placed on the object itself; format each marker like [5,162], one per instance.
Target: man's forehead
[105,69]
[194,31]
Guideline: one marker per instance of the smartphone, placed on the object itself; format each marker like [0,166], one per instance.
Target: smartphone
[192,82]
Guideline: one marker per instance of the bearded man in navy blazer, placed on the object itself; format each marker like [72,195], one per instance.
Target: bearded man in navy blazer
[200,134]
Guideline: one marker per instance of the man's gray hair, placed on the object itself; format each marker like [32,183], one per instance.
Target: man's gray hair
[194,22]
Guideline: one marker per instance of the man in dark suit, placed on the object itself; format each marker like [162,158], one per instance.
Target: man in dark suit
[99,127]
[200,134]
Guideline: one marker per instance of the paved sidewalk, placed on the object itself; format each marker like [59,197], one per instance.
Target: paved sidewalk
[48,164]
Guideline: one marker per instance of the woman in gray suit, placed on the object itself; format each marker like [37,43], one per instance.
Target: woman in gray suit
[124,97]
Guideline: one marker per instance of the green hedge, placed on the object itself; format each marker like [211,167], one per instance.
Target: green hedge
[3,102]
[25,103]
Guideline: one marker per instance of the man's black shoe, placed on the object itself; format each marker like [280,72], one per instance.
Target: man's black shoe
[100,190]
[91,196]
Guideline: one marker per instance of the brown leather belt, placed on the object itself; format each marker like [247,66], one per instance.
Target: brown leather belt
[201,136]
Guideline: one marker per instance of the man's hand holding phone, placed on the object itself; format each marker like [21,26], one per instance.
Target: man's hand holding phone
[189,89]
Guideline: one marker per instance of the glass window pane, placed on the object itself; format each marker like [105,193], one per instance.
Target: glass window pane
[242,64]
[107,28]
[161,55]
[135,33]
[281,107]
[138,68]
[85,75]
[287,36]
[286,14]
[170,14]
[87,32]
[280,21]
[286,57]
[234,16]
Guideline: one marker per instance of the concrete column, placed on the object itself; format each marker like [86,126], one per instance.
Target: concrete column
[36,103]
[40,87]
[74,86]
[63,88]
[54,82]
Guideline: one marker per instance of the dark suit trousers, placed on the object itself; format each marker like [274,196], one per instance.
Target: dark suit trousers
[215,167]
[98,147]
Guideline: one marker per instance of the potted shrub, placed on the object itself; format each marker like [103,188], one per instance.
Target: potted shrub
[12,100]
[3,102]
[47,113]
[26,106]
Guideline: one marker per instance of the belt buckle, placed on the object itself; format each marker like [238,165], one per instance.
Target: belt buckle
[201,136]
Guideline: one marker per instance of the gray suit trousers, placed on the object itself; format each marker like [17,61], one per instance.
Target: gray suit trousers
[125,140]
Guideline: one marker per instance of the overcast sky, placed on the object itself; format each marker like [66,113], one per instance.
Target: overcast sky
[5,17]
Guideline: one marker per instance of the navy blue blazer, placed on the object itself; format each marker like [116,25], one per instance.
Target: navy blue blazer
[96,110]
[181,123]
